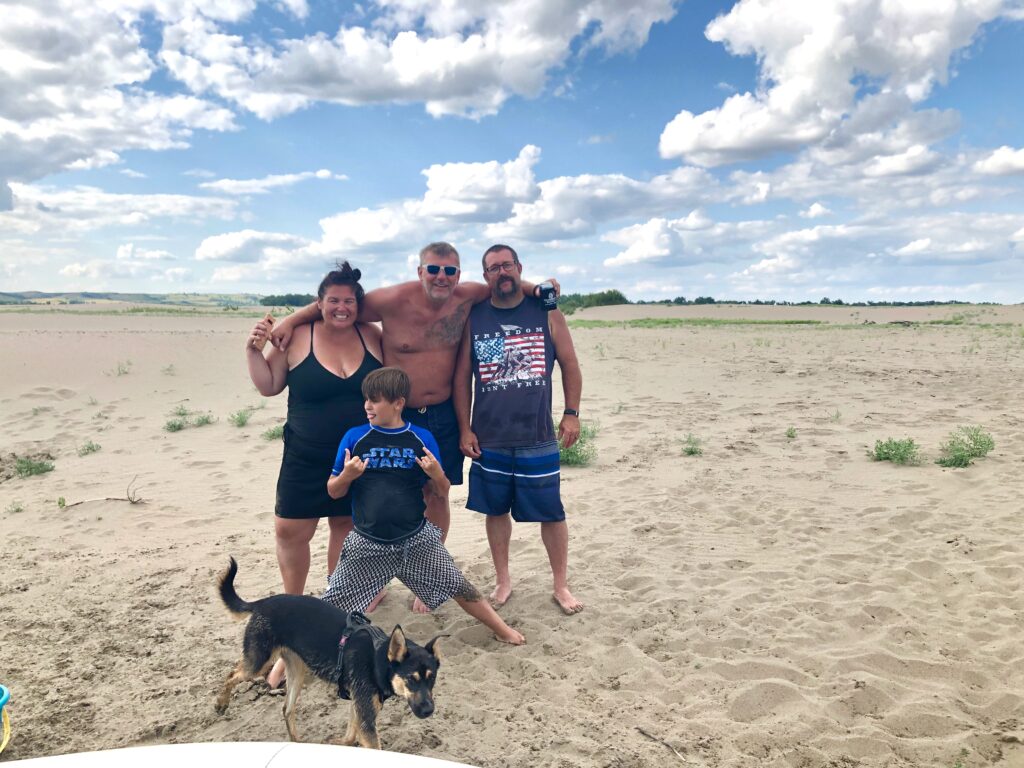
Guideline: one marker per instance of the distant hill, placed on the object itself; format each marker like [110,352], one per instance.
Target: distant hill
[176,299]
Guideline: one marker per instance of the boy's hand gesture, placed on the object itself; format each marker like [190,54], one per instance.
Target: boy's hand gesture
[429,464]
[354,467]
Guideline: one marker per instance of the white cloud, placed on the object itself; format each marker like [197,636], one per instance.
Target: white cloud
[816,211]
[246,246]
[1001,162]
[656,240]
[264,185]
[810,55]
[73,96]
[82,208]
[915,160]
[103,269]
[132,174]
[128,252]
[460,57]
[577,206]
[922,245]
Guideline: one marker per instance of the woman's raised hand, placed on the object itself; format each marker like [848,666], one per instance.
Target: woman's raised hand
[260,333]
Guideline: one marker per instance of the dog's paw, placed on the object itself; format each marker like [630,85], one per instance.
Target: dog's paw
[220,708]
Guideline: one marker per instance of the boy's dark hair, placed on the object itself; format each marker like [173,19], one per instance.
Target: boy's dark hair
[343,274]
[386,384]
[499,247]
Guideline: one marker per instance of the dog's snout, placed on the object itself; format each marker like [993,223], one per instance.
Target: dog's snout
[423,709]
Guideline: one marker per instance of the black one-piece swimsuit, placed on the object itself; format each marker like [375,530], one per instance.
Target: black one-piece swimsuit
[322,407]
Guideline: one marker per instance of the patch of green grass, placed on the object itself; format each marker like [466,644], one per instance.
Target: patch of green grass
[89,447]
[93,401]
[791,433]
[673,322]
[175,425]
[692,445]
[964,445]
[583,451]
[835,416]
[274,433]
[168,370]
[123,368]
[181,412]
[959,762]
[61,502]
[202,419]
[241,417]
[39,409]
[904,451]
[14,507]
[26,467]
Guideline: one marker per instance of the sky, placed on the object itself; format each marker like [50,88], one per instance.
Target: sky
[868,150]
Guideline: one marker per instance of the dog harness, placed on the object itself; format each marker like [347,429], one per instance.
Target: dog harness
[355,622]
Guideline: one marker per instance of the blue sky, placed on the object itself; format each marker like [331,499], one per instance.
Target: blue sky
[771,149]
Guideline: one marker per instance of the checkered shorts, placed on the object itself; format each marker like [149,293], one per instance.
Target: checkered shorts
[420,562]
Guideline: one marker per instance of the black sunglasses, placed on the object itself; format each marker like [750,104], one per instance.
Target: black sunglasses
[433,269]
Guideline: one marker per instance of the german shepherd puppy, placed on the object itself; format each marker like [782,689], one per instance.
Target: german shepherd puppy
[306,631]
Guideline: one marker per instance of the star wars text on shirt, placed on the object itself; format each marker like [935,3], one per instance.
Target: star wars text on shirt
[397,458]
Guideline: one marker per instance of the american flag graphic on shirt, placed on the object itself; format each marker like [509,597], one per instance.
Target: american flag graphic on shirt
[513,356]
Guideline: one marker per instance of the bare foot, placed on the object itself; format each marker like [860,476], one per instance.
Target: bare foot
[276,676]
[419,607]
[569,604]
[376,601]
[511,637]
[500,595]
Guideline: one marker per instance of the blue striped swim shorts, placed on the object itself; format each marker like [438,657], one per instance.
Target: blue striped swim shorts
[523,481]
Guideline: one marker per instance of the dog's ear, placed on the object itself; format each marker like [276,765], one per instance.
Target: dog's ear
[397,650]
[432,647]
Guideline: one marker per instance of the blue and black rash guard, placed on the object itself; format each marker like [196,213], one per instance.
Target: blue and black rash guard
[387,499]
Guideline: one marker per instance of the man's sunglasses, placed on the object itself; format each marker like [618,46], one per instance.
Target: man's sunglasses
[433,269]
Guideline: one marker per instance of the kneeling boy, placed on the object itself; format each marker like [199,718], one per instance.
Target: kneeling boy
[384,465]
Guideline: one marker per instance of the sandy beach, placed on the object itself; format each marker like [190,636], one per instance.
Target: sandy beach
[774,601]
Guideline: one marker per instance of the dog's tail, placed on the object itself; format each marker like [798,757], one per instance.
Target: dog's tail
[234,603]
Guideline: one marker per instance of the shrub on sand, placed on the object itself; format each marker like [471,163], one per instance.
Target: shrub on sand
[241,417]
[692,446]
[965,444]
[897,451]
[26,467]
[583,451]
[274,433]
[89,447]
[202,419]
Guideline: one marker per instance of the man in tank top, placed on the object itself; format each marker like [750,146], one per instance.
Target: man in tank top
[509,347]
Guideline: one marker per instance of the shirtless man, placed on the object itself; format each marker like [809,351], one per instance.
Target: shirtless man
[422,322]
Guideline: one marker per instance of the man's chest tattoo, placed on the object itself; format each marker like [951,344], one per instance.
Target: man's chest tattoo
[448,329]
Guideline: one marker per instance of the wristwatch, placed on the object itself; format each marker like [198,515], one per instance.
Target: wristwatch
[571,412]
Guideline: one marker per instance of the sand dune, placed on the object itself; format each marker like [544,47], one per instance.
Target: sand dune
[773,601]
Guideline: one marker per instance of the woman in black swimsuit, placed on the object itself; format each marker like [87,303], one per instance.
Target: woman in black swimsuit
[323,368]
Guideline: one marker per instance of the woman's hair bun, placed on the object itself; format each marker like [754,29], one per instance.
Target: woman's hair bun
[356,274]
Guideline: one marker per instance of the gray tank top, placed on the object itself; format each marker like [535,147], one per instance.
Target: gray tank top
[512,360]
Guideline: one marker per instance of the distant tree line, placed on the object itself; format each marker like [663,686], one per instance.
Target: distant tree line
[569,303]
[288,300]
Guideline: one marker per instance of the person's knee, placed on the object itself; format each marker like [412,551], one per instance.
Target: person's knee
[340,524]
[294,533]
